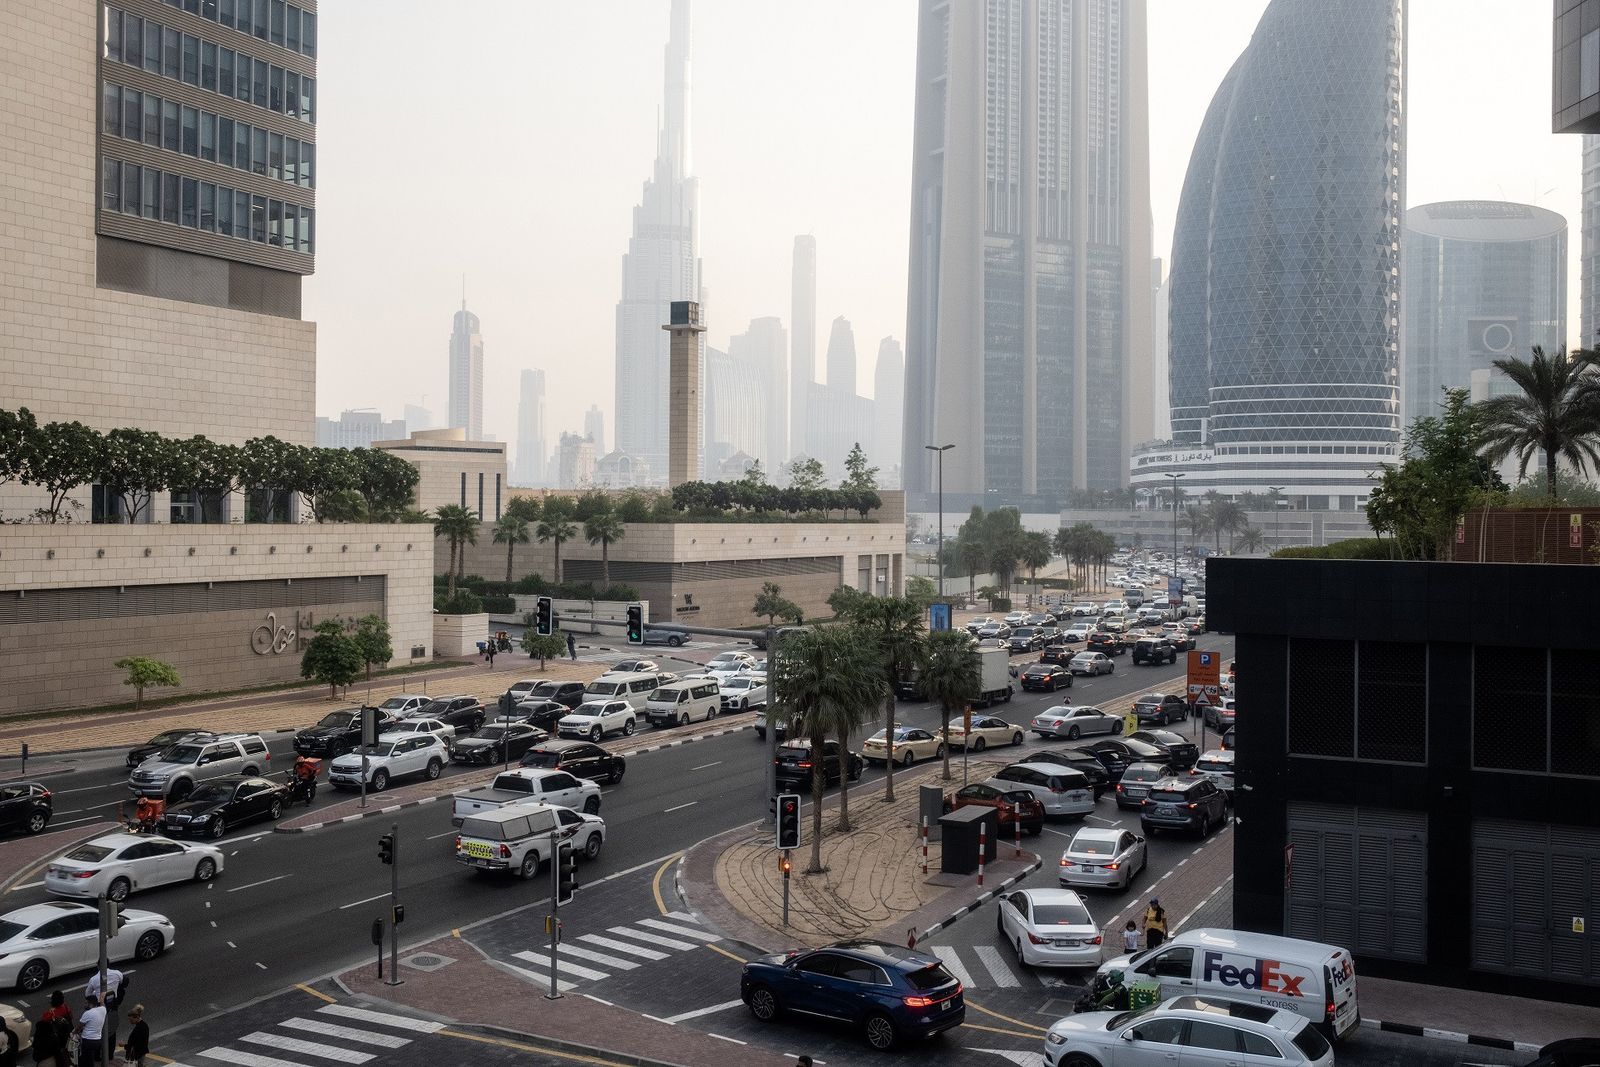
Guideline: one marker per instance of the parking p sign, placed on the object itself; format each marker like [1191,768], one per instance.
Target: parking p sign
[1205,676]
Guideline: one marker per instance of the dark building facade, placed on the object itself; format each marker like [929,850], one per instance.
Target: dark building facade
[1576,104]
[1417,766]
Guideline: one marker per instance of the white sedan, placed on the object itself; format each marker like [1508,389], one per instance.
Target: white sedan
[1099,856]
[1049,928]
[59,937]
[586,833]
[986,730]
[727,664]
[596,718]
[118,864]
[1091,663]
[1073,721]
[422,728]
[423,754]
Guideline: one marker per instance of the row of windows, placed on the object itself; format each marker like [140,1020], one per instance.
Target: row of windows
[269,20]
[181,201]
[177,127]
[148,45]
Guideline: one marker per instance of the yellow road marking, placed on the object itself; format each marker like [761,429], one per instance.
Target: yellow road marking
[725,952]
[655,883]
[307,989]
[1015,1022]
[997,1030]
[158,1059]
[520,1047]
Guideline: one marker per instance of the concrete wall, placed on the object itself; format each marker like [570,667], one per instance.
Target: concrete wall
[75,598]
[458,635]
[453,470]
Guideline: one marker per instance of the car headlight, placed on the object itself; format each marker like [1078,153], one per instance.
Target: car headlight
[1053,1038]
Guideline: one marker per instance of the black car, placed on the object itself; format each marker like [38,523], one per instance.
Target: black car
[1570,1052]
[1024,639]
[1078,760]
[1183,804]
[490,744]
[539,713]
[568,694]
[793,763]
[1109,643]
[581,759]
[24,806]
[463,712]
[1045,676]
[1060,653]
[1116,753]
[165,739]
[213,808]
[1181,754]
[335,734]
[1161,708]
[909,687]
[1154,651]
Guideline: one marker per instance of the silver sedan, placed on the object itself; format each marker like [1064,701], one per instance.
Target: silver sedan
[1074,721]
[1109,857]
[1091,663]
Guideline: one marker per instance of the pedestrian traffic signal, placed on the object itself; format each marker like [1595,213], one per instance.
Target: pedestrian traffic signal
[788,820]
[544,616]
[566,874]
[386,848]
[635,624]
[784,865]
[377,931]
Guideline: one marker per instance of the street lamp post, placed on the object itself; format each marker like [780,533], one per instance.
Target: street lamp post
[1175,478]
[1277,541]
[940,450]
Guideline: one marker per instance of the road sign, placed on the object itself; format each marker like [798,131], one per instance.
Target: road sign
[938,617]
[1174,591]
[1204,675]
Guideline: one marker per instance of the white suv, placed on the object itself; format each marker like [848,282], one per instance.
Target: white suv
[392,757]
[596,718]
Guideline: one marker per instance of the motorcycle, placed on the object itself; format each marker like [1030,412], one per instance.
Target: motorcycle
[302,780]
[146,815]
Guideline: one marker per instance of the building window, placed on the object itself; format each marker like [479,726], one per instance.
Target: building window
[258,151]
[133,114]
[1589,65]
[241,215]
[208,66]
[111,185]
[191,60]
[225,211]
[111,109]
[1510,708]
[258,219]
[497,495]
[172,54]
[190,119]
[171,138]
[191,203]
[152,47]
[1321,698]
[277,22]
[266,505]
[275,222]
[275,90]
[463,488]
[1392,701]
[150,198]
[225,10]
[308,34]
[208,207]
[104,504]
[1574,714]
[480,496]
[113,49]
[241,146]
[275,156]
[225,72]
[152,120]
[132,186]
[208,136]
[291,37]
[170,186]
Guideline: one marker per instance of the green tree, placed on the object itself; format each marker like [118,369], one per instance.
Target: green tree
[754,477]
[372,639]
[133,464]
[556,526]
[459,527]
[16,432]
[893,628]
[774,605]
[1198,520]
[145,673]
[950,677]
[921,591]
[332,657]
[275,468]
[1252,539]
[60,456]
[605,530]
[511,531]
[806,473]
[332,485]
[388,483]
[1556,413]
[525,508]
[1571,491]
[1035,553]
[858,476]
[544,646]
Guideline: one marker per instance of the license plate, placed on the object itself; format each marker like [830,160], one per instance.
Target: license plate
[944,1005]
[1165,809]
[1066,943]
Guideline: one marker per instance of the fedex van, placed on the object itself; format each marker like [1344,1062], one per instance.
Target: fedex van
[1310,979]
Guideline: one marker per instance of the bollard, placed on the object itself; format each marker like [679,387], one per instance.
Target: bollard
[924,844]
[983,846]
[1017,827]
[911,938]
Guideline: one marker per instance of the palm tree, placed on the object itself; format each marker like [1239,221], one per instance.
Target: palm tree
[1199,523]
[1035,553]
[973,559]
[893,627]
[460,527]
[950,677]
[511,531]
[1252,539]
[1227,517]
[604,529]
[1557,413]
[555,527]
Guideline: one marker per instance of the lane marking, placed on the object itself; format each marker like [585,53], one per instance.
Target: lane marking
[679,931]
[705,766]
[319,995]
[306,1048]
[712,1010]
[680,807]
[597,1000]
[651,939]
[655,883]
[29,885]
[724,952]
[347,1033]
[447,833]
[620,946]
[74,822]
[656,1018]
[992,962]
[1004,1018]
[383,1018]
[952,963]
[735,1040]
[563,967]
[358,903]
[570,949]
[252,885]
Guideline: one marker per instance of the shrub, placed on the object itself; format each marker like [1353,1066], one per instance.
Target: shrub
[465,602]
[499,605]
[1000,603]
[1352,548]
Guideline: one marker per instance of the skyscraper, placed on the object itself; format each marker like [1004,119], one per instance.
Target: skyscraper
[1029,287]
[466,374]
[1589,253]
[1160,393]
[1483,280]
[1286,262]
[889,403]
[530,470]
[594,428]
[842,355]
[765,346]
[662,264]
[735,406]
[802,339]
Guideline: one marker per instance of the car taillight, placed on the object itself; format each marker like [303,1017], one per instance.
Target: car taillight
[1193,806]
[1095,940]
[1147,802]
[84,874]
[1113,866]
[458,842]
[919,1002]
[804,765]
[1119,787]
[1037,940]
[505,852]
[1064,862]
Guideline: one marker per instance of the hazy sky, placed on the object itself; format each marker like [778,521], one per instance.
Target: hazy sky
[507,141]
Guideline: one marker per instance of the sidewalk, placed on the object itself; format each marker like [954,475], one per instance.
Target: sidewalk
[26,856]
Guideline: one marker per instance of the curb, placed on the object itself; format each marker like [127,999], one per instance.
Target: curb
[16,876]
[1450,1035]
[566,1046]
[981,900]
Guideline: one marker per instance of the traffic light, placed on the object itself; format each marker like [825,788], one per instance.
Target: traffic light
[386,848]
[784,865]
[635,624]
[566,874]
[111,918]
[544,616]
[789,820]
[399,914]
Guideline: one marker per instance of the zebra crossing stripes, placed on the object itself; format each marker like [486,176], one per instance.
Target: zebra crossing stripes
[622,946]
[952,963]
[325,1049]
[283,1043]
[989,956]
[569,949]
[595,957]
[383,1018]
[563,966]
[681,931]
[348,1033]
[988,967]
[652,938]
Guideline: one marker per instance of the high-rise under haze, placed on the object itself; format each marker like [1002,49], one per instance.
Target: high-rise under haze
[531,450]
[802,339]
[764,344]
[842,355]
[889,403]
[1285,288]
[466,374]
[1028,300]
[1589,254]
[594,428]
[662,264]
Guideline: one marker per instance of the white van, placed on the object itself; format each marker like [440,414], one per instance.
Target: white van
[1310,979]
[634,688]
[680,703]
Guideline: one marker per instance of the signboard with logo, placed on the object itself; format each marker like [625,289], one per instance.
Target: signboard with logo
[938,617]
[1174,591]
[1575,531]
[1205,677]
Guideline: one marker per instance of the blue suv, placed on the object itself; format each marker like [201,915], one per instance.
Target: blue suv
[889,993]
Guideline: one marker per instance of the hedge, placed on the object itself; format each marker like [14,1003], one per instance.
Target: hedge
[1351,548]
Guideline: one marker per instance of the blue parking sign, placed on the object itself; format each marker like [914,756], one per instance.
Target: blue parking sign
[938,617]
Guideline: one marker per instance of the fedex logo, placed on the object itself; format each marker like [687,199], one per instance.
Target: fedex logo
[1267,976]
[1342,973]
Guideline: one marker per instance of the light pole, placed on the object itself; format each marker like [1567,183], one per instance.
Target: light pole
[1277,542]
[1175,478]
[940,450]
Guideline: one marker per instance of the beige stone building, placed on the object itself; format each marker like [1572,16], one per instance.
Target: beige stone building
[456,471]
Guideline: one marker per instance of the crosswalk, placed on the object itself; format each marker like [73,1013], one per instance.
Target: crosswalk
[334,1033]
[595,957]
[988,967]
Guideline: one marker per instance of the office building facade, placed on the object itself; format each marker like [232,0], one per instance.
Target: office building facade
[1028,298]
[357,429]
[1483,280]
[1575,106]
[736,407]
[466,374]
[1589,247]
[889,406]
[763,346]
[802,339]
[531,450]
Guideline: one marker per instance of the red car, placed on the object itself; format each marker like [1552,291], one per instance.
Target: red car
[1014,806]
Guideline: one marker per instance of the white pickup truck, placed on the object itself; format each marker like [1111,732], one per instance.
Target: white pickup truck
[530,785]
[517,839]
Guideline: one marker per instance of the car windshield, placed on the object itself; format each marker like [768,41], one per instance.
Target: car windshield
[88,853]
[491,732]
[540,759]
[380,750]
[1093,846]
[1168,796]
[1215,765]
[8,930]
[208,793]
[739,683]
[335,718]
[1041,668]
[929,978]
[434,708]
[1061,915]
[1142,772]
[547,689]
[181,754]
[1311,1043]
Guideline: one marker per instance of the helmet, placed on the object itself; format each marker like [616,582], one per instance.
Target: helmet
[1115,977]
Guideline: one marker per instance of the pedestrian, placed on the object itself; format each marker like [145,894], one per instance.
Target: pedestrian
[1155,924]
[1130,938]
[572,647]
[490,652]
[8,1044]
[91,1030]
[137,1046]
[50,1034]
[116,988]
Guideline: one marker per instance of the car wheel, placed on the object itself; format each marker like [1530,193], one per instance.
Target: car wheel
[218,827]
[1072,733]
[530,865]
[879,1031]
[1022,961]
[979,745]
[591,847]
[683,720]
[1016,738]
[180,791]
[37,822]
[938,753]
[711,713]
[276,811]
[627,728]
[33,976]
[595,733]
[616,775]
[435,768]
[591,806]
[149,946]
[1078,1059]
[205,870]
[1111,668]
[763,1003]
[675,642]
[855,771]
[380,780]
[119,889]
[905,759]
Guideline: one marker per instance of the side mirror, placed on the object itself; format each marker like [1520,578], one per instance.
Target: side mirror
[1127,1035]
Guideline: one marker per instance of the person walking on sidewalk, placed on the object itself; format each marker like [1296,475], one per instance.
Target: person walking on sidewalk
[50,1034]
[572,646]
[91,1030]
[1130,937]
[1155,924]
[137,1046]
[489,653]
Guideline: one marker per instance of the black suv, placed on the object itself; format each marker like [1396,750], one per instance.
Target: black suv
[540,713]
[1110,644]
[1154,651]
[1161,708]
[1024,639]
[463,712]
[24,806]
[568,693]
[793,763]
[1183,804]
[335,734]
[581,759]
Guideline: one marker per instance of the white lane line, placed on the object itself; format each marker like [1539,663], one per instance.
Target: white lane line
[538,959]
[712,1010]
[71,822]
[263,966]
[383,1018]
[1104,822]
[307,1048]
[989,956]
[232,945]
[649,938]
[679,931]
[632,950]
[540,980]
[1058,833]
[252,885]
[569,949]
[680,807]
[735,1040]
[447,833]
[246,1059]
[597,1000]
[656,1018]
[253,837]
[28,885]
[358,903]
[346,1033]
[952,963]
[705,766]
[683,916]
[80,789]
